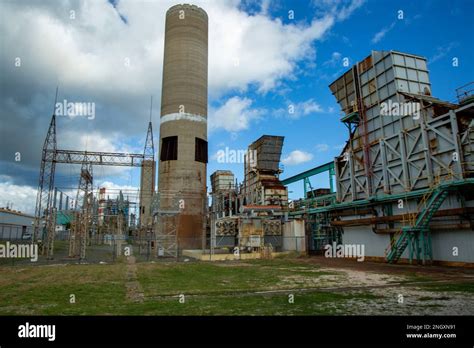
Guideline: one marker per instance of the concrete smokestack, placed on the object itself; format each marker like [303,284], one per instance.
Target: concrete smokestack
[183,125]
[147,187]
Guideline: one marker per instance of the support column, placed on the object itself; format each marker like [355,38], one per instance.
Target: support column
[403,155]
[454,126]
[386,179]
[427,153]
[43,227]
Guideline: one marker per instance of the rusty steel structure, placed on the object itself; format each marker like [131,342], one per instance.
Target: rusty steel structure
[45,214]
[147,179]
[78,238]
[45,220]
[405,176]
[251,216]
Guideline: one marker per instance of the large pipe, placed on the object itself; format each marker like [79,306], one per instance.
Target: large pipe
[398,218]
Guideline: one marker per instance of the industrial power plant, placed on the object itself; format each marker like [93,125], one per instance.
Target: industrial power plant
[296,160]
[402,186]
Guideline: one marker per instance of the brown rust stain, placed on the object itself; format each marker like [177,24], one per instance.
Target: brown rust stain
[190,230]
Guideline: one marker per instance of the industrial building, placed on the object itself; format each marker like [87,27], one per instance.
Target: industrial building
[404,180]
[402,186]
[114,214]
[253,216]
[15,225]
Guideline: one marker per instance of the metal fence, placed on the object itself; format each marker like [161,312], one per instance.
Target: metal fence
[112,249]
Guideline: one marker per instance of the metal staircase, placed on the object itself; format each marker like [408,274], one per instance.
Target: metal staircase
[397,246]
[417,234]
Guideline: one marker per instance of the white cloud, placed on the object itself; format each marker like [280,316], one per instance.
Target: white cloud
[264,6]
[112,190]
[380,35]
[102,142]
[335,58]
[297,157]
[22,197]
[442,51]
[297,110]
[309,107]
[340,9]
[98,141]
[266,50]
[235,115]
[93,48]
[345,11]
[322,147]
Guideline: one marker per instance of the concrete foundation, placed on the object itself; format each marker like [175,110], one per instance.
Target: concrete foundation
[294,238]
[198,255]
[443,244]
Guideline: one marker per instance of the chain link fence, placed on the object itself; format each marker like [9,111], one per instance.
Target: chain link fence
[112,249]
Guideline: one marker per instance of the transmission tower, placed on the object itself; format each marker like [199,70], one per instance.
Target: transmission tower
[45,220]
[147,180]
[85,201]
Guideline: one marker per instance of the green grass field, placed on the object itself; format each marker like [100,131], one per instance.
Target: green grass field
[258,287]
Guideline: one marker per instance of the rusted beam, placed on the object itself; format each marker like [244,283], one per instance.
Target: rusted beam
[464,226]
[394,218]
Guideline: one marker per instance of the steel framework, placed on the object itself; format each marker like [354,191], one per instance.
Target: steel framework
[147,181]
[83,220]
[403,162]
[99,158]
[167,225]
[45,215]
[44,212]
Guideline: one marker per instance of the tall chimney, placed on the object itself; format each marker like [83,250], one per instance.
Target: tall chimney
[183,124]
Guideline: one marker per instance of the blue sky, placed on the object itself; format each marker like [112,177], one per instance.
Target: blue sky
[437,30]
[261,62]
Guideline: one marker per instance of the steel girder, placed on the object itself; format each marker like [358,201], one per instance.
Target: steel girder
[408,160]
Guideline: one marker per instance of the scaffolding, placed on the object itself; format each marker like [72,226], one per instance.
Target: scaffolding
[166,225]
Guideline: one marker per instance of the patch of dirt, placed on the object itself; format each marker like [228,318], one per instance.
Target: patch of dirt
[391,269]
[232,264]
[439,303]
[296,280]
[134,290]
[363,278]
